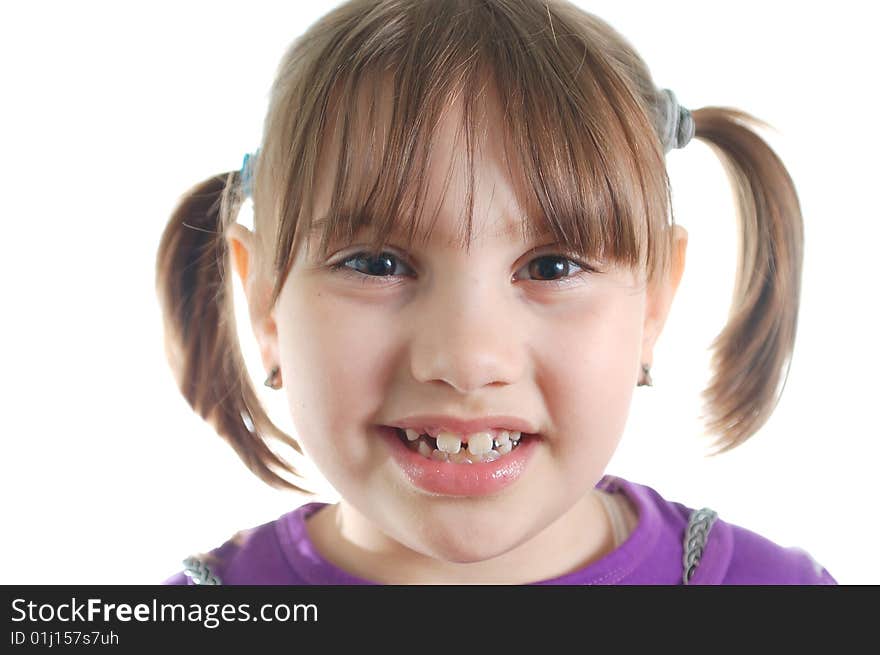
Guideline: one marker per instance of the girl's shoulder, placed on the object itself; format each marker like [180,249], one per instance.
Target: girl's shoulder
[210,567]
[255,556]
[699,545]
[756,559]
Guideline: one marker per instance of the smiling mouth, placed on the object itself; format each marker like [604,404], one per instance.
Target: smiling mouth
[474,452]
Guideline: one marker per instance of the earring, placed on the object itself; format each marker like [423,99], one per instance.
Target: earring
[646,380]
[272,381]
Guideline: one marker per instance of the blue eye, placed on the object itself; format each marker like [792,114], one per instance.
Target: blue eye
[385,263]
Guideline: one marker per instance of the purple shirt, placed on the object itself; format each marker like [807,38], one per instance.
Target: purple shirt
[280,552]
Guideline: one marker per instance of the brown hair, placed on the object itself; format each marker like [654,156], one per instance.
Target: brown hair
[581,116]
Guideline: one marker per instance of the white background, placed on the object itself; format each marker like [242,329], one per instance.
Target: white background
[112,110]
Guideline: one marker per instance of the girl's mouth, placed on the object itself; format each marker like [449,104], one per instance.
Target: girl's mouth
[474,469]
[476,451]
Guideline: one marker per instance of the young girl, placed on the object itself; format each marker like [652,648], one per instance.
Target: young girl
[463,383]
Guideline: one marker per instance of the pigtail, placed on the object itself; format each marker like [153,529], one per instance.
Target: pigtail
[201,342]
[756,345]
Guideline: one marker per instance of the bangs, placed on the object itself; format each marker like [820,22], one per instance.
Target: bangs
[581,153]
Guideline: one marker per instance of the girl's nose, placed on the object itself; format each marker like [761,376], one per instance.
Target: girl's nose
[467,335]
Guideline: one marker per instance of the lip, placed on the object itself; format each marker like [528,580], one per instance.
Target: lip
[449,479]
[465,426]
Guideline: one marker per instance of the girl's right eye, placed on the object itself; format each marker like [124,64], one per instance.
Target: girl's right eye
[377,265]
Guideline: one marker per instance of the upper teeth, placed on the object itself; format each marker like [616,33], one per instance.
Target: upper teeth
[478,443]
[451,443]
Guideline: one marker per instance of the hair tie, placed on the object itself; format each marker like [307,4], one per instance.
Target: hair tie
[247,173]
[678,124]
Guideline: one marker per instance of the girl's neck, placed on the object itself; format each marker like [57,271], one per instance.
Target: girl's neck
[349,541]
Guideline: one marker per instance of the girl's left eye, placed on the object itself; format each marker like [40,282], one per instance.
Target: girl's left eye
[383,264]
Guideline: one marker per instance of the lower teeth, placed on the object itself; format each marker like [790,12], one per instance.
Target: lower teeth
[428,449]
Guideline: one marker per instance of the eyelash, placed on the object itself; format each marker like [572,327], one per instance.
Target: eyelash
[340,267]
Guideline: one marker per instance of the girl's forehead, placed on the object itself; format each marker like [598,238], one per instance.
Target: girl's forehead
[453,189]
[449,232]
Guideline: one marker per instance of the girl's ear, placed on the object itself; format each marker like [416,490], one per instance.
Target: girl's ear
[257,290]
[240,244]
[659,297]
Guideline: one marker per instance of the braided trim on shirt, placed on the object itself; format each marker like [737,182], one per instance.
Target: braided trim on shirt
[699,525]
[199,571]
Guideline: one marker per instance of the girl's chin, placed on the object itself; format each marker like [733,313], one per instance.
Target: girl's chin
[462,536]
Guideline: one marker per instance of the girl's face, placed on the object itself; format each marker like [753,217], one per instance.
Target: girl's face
[470,335]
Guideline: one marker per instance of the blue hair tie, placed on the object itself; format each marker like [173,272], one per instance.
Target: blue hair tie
[247,173]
